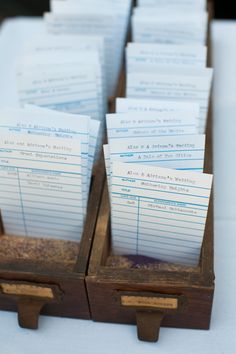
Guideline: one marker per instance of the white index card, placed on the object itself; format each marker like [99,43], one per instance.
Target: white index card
[126,105]
[158,212]
[178,152]
[174,86]
[125,125]
[144,57]
[41,186]
[154,26]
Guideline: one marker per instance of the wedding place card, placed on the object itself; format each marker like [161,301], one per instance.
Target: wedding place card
[132,124]
[158,212]
[148,57]
[41,186]
[178,84]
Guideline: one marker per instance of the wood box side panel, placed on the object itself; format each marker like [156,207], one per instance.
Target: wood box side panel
[105,307]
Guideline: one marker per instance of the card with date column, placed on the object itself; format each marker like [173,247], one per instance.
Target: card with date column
[41,186]
[44,122]
[158,212]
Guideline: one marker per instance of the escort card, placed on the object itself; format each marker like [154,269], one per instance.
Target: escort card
[157,26]
[178,84]
[158,212]
[148,57]
[41,186]
[129,125]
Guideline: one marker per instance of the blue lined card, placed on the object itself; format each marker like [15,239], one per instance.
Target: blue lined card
[41,186]
[158,212]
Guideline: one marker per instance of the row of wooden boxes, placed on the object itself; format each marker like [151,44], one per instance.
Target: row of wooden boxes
[61,279]
[85,281]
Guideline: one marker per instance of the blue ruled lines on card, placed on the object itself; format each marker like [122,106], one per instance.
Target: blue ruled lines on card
[149,218]
[41,186]
[179,152]
[128,125]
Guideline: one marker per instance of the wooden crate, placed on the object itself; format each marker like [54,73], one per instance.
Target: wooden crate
[48,276]
[167,294]
[171,295]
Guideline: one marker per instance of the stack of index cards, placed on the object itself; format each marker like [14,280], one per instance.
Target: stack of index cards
[58,73]
[63,75]
[154,158]
[46,163]
[160,213]
[158,194]
[175,22]
[73,65]
[159,64]
[89,17]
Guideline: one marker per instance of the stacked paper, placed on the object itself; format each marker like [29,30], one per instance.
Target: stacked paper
[106,19]
[171,5]
[160,213]
[46,164]
[172,22]
[174,84]
[159,64]
[70,61]
[13,34]
[154,158]
[56,85]
[71,82]
[57,73]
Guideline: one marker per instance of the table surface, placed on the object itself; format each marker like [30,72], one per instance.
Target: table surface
[59,335]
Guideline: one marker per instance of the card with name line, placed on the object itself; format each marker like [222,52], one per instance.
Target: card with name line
[126,105]
[178,152]
[144,57]
[63,89]
[125,125]
[60,89]
[158,212]
[44,123]
[79,68]
[94,127]
[77,61]
[70,44]
[41,186]
[173,87]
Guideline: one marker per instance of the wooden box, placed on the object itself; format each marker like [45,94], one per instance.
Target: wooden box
[48,276]
[154,294]
[150,295]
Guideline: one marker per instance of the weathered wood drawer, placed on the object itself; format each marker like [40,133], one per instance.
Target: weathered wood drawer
[48,276]
[169,294]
